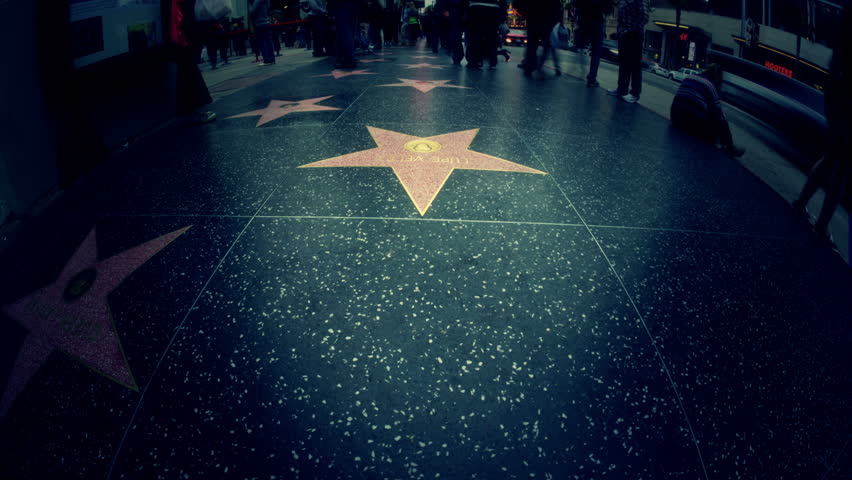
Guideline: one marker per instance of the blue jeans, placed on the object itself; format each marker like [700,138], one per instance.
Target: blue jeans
[595,39]
[264,42]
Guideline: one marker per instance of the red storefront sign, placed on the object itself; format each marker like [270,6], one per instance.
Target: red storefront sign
[778,68]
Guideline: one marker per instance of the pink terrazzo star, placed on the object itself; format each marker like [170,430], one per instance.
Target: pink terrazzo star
[422,65]
[278,108]
[424,56]
[345,73]
[423,165]
[72,315]
[373,60]
[422,85]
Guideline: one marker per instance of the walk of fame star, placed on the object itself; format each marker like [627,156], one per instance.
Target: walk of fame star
[345,73]
[424,56]
[373,60]
[422,65]
[278,108]
[423,165]
[72,315]
[422,85]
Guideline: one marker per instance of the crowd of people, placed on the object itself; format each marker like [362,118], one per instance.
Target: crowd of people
[473,31]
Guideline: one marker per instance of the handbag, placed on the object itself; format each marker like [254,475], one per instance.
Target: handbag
[211,10]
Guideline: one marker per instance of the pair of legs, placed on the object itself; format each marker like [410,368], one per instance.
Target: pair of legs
[318,34]
[483,27]
[454,36]
[592,35]
[537,33]
[834,175]
[346,14]
[630,64]
[264,43]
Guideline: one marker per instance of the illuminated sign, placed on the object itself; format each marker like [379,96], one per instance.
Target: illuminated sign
[778,68]
[684,37]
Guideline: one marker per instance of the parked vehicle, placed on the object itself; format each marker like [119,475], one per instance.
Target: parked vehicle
[655,67]
[679,75]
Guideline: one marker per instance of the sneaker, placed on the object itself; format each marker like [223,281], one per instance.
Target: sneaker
[265,64]
[629,98]
[198,118]
[614,92]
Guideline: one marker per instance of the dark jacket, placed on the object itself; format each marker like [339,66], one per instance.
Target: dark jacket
[259,11]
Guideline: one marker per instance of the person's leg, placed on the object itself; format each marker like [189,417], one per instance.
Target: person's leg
[636,64]
[596,34]
[456,47]
[623,65]
[346,34]
[315,35]
[835,188]
[264,37]
[531,55]
[489,46]
[815,178]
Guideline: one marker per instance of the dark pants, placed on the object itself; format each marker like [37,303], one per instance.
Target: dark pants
[263,34]
[390,24]
[190,90]
[708,129]
[630,64]
[593,35]
[483,26]
[376,35]
[319,34]
[538,32]
[345,14]
[832,172]
[454,36]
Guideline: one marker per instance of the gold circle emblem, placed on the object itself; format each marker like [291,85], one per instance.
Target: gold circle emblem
[423,146]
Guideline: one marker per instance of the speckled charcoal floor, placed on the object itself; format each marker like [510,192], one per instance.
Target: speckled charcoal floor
[414,270]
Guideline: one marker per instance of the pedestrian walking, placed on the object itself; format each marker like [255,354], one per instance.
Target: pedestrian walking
[485,17]
[834,170]
[542,16]
[345,19]
[632,17]
[454,11]
[591,17]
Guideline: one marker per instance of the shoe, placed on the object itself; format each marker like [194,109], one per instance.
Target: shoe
[493,66]
[264,64]
[506,55]
[593,84]
[629,98]
[733,152]
[558,72]
[198,118]
[614,92]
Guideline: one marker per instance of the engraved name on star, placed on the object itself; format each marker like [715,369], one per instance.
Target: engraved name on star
[423,165]
[422,65]
[422,85]
[278,108]
[345,73]
[72,315]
